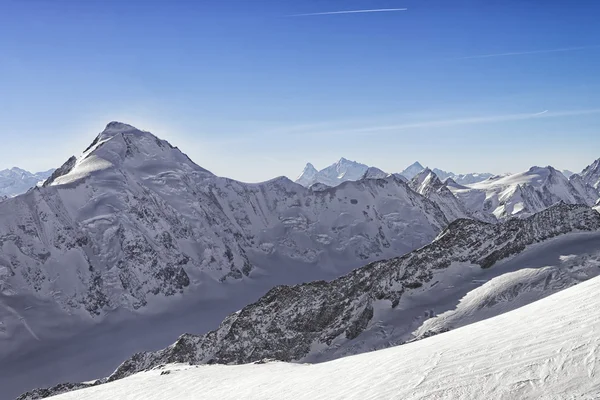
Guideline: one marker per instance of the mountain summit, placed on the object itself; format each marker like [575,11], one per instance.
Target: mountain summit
[412,170]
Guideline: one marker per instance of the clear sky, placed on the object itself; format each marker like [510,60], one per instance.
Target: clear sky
[250,89]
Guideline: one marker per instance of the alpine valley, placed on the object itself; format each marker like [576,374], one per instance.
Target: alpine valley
[130,245]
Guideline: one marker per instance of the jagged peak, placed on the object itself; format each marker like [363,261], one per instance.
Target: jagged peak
[310,168]
[345,161]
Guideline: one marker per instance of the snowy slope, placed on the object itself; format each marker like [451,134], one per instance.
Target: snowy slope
[429,185]
[342,171]
[521,194]
[15,181]
[133,219]
[471,272]
[545,350]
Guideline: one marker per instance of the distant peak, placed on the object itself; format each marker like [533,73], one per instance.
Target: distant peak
[309,167]
[346,161]
[17,169]
[416,164]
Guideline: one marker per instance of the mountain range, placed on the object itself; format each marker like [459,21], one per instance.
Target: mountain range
[133,231]
[346,170]
[471,272]
[15,181]
[134,226]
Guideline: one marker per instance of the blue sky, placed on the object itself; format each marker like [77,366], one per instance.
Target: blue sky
[249,90]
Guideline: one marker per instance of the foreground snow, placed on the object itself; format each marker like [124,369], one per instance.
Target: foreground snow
[548,349]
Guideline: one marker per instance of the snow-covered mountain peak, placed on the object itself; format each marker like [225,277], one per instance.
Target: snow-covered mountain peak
[338,172]
[375,173]
[412,170]
[114,128]
[416,164]
[307,177]
[123,147]
[425,178]
[428,184]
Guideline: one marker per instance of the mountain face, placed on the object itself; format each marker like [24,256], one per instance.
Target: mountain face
[591,175]
[429,185]
[15,181]
[521,194]
[390,302]
[134,218]
[342,171]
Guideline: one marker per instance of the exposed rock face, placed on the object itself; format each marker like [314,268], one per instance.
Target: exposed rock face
[290,322]
[135,218]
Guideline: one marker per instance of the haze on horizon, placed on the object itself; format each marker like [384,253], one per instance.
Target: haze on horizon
[252,90]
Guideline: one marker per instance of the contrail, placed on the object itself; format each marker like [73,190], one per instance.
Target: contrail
[351,12]
[521,53]
[459,122]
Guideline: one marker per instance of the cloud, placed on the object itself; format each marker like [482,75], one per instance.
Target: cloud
[521,53]
[351,12]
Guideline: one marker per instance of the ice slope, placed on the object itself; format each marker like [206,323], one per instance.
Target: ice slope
[521,194]
[549,349]
[15,181]
[341,171]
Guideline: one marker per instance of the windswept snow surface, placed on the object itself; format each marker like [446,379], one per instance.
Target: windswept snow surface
[549,349]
